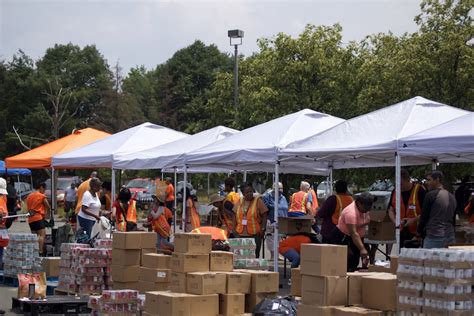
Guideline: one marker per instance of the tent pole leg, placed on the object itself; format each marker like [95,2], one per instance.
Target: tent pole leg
[397,199]
[175,201]
[185,176]
[275,217]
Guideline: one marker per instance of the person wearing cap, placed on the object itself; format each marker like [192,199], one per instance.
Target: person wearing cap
[269,201]
[3,211]
[37,204]
[169,194]
[124,211]
[225,213]
[350,230]
[159,220]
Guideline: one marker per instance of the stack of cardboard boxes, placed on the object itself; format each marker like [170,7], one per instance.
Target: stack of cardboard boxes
[127,251]
[327,289]
[203,282]
[436,282]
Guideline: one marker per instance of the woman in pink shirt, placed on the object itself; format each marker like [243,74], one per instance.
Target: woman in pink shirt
[350,229]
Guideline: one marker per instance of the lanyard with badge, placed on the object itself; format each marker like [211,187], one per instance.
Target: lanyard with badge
[245,210]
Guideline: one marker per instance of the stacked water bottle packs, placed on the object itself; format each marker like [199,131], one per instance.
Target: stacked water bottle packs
[67,276]
[435,280]
[118,302]
[22,255]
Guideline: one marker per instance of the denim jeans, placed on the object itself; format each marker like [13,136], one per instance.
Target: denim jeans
[431,242]
[86,224]
[293,256]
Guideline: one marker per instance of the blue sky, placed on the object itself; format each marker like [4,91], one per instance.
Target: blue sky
[146,32]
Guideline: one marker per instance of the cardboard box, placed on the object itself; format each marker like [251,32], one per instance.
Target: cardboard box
[203,283]
[252,299]
[148,240]
[205,305]
[144,286]
[146,251]
[355,310]
[149,314]
[156,261]
[221,261]
[323,260]
[154,275]
[51,266]
[294,225]
[295,288]
[323,291]
[168,303]
[374,297]
[126,240]
[125,285]
[183,262]
[238,282]
[231,304]
[125,257]
[312,310]
[125,273]
[380,226]
[193,243]
[354,287]
[264,281]
[178,282]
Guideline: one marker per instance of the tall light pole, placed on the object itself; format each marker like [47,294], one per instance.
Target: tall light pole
[234,37]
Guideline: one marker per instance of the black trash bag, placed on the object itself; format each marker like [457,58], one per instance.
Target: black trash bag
[220,245]
[277,306]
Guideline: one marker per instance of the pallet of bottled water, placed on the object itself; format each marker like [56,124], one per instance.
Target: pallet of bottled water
[21,255]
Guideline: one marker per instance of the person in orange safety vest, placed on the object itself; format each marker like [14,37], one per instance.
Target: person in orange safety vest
[124,211]
[411,204]
[159,220]
[251,216]
[37,204]
[225,212]
[469,209]
[192,216]
[301,202]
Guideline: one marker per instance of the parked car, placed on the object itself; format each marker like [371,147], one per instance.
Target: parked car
[61,185]
[138,185]
[382,191]
[23,189]
[144,198]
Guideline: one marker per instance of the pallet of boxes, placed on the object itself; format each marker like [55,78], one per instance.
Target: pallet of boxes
[203,282]
[436,282]
[327,289]
[135,263]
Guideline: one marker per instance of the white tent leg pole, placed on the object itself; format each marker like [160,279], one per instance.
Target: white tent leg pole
[208,183]
[175,201]
[184,196]
[53,190]
[276,240]
[113,186]
[331,184]
[434,165]
[397,199]
[245,175]
[162,175]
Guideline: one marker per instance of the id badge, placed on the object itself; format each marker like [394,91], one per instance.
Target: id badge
[412,207]
[244,222]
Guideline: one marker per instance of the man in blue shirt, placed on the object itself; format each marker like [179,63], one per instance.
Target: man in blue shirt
[269,201]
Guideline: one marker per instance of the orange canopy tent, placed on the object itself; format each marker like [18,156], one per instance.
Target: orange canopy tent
[40,157]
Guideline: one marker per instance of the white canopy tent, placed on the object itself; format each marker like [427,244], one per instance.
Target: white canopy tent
[258,147]
[452,141]
[106,152]
[372,140]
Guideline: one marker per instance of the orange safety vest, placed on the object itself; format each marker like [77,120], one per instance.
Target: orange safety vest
[298,202]
[192,213]
[251,215]
[414,208]
[228,222]
[3,210]
[161,225]
[342,201]
[314,204]
[217,233]
[467,210]
[131,216]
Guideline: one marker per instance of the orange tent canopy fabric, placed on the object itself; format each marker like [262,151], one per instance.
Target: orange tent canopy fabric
[40,157]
